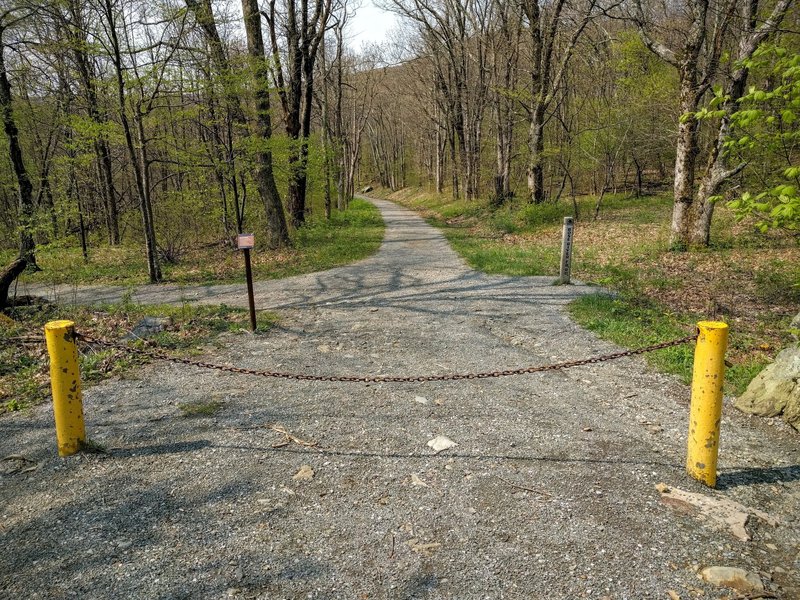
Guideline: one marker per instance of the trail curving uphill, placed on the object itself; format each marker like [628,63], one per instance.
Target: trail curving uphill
[548,494]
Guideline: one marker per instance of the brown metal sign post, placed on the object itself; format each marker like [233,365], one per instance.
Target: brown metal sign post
[246,241]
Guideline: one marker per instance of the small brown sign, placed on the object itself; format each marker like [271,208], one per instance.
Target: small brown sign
[245,241]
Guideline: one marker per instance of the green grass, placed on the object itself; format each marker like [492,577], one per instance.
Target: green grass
[492,256]
[747,279]
[321,244]
[200,409]
[487,237]
[24,379]
[633,324]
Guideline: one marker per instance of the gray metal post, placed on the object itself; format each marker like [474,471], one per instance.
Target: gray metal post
[566,250]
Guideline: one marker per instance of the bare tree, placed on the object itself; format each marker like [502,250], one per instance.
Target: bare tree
[76,31]
[454,34]
[222,146]
[505,42]
[549,23]
[277,232]
[296,33]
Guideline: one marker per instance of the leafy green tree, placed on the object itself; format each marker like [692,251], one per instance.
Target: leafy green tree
[767,127]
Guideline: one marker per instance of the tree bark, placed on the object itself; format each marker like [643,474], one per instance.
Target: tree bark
[7,277]
[277,232]
[693,208]
[27,245]
[86,73]
[544,77]
[142,190]
[296,88]
[234,113]
[718,170]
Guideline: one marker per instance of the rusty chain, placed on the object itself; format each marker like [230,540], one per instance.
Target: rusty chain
[158,355]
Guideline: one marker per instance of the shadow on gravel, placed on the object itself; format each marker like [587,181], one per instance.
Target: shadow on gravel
[173,448]
[475,456]
[752,476]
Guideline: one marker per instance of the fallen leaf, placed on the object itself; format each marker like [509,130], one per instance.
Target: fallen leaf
[673,595]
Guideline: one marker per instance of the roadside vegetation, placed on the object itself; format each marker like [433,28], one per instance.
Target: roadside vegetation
[349,235]
[746,278]
[24,375]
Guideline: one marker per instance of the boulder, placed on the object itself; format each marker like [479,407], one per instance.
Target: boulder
[776,390]
[148,327]
[794,327]
[732,577]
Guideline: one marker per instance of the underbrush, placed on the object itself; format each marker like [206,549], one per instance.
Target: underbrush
[321,244]
[24,375]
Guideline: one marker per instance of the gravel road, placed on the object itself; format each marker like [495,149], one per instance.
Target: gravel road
[549,493]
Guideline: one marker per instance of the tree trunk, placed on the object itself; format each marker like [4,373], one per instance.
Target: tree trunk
[148,221]
[27,246]
[101,149]
[439,168]
[338,126]
[277,232]
[718,170]
[7,277]
[536,146]
[143,192]
[638,177]
[296,190]
[685,165]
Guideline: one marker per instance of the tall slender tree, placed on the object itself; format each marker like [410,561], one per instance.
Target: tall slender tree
[277,232]
[10,18]
[296,33]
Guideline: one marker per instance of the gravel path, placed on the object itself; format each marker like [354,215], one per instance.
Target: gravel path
[549,493]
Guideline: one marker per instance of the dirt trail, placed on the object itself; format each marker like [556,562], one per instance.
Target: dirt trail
[548,494]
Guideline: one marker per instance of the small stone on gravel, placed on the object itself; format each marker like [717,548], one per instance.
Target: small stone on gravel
[733,577]
[306,473]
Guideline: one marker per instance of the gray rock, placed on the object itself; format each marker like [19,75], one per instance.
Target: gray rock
[733,577]
[147,327]
[794,327]
[776,390]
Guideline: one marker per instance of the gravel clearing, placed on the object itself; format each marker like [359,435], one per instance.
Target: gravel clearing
[549,493]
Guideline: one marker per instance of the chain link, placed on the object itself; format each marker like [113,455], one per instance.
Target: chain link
[159,355]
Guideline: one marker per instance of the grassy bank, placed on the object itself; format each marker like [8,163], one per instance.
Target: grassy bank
[747,279]
[24,377]
[322,244]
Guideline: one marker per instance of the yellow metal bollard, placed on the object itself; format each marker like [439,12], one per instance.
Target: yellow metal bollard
[65,378]
[706,408]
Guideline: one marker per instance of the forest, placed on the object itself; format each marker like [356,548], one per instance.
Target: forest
[165,128]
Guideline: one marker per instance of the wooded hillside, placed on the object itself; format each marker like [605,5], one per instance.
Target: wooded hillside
[174,125]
